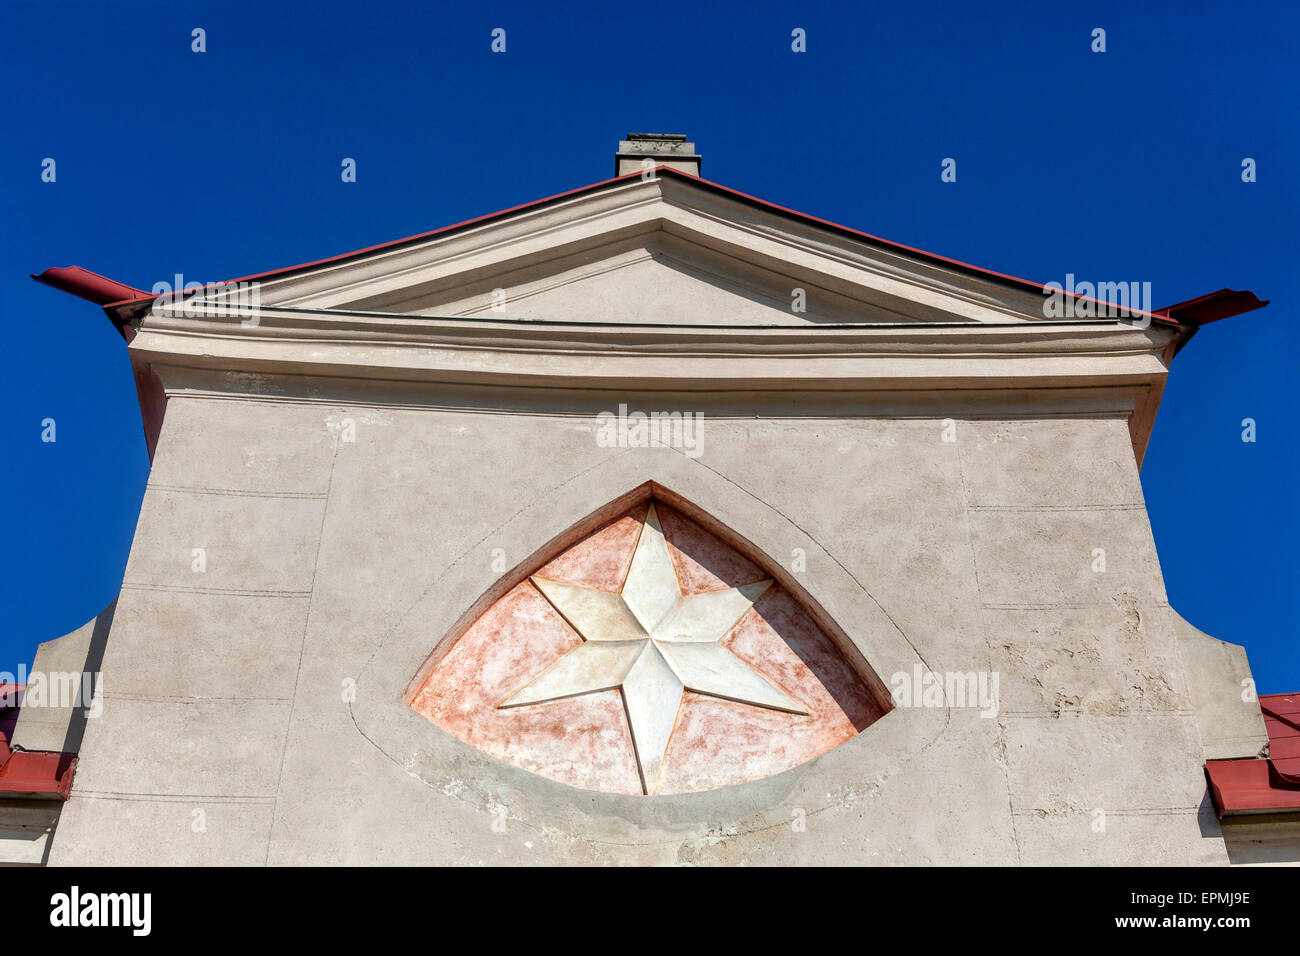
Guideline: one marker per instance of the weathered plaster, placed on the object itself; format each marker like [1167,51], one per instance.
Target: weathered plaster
[881,509]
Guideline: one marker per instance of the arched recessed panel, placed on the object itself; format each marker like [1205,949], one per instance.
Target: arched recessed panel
[649,656]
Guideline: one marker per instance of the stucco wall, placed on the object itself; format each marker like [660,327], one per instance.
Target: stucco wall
[229,733]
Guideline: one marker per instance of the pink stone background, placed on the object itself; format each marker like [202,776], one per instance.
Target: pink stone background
[601,559]
[584,741]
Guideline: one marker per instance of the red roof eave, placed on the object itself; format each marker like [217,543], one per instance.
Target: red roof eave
[90,285]
[1252,785]
[29,773]
[1263,784]
[37,773]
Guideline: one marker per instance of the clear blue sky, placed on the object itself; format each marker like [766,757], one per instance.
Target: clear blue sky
[1117,166]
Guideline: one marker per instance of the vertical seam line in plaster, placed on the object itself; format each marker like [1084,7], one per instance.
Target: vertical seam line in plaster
[302,646]
[966,507]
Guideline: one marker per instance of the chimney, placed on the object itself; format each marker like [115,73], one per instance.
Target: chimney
[661,149]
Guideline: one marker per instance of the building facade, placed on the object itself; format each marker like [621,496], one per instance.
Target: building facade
[651,523]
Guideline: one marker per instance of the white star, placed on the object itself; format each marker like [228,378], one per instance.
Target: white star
[653,643]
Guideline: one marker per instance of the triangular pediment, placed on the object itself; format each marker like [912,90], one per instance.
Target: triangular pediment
[648,281]
[666,251]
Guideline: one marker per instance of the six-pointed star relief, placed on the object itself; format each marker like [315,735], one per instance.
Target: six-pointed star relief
[653,643]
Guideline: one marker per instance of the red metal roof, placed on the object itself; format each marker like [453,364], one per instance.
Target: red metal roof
[120,300]
[1263,784]
[1282,718]
[29,773]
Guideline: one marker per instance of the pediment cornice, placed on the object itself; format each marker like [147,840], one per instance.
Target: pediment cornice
[427,274]
[571,354]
